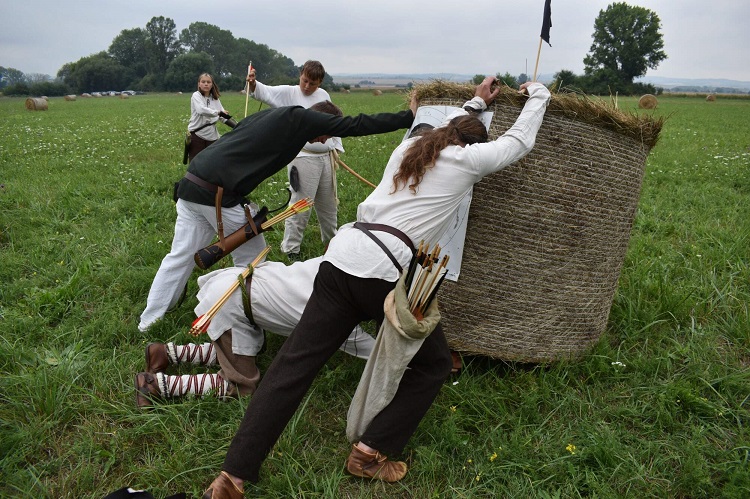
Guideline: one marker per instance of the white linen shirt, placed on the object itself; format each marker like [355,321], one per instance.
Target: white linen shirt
[291,95]
[424,216]
[204,110]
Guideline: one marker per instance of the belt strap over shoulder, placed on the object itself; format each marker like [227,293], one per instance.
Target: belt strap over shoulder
[367,227]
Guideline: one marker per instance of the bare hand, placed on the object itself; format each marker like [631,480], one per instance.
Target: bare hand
[414,104]
[484,90]
[524,86]
[251,79]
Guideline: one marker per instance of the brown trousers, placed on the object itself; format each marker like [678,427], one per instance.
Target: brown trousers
[240,370]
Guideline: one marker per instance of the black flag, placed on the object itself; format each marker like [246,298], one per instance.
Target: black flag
[547,23]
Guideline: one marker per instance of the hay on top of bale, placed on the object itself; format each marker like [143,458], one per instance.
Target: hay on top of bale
[572,105]
[546,236]
[647,101]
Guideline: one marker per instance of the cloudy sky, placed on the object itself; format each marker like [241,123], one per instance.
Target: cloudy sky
[702,39]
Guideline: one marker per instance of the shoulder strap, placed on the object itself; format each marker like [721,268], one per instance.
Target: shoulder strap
[365,227]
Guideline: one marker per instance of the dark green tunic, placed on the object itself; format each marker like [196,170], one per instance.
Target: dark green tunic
[265,142]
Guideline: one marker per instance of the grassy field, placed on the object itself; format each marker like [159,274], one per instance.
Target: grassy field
[659,408]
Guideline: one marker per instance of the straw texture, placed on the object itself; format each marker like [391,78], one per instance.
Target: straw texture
[547,236]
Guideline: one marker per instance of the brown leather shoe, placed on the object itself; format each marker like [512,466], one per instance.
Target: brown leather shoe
[146,389]
[157,359]
[223,488]
[376,466]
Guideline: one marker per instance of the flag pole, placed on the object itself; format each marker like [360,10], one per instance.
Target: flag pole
[247,85]
[546,25]
[538,52]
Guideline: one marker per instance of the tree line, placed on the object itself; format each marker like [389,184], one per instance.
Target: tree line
[157,59]
[626,43]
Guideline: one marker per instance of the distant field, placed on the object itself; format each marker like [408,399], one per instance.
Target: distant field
[659,408]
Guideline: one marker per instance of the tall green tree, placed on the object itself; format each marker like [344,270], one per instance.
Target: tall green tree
[627,42]
[182,74]
[218,43]
[98,72]
[129,49]
[11,76]
[162,45]
[565,79]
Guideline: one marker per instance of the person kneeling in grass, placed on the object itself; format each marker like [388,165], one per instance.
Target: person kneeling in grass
[277,295]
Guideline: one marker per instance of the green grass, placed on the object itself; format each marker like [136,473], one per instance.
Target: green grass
[660,407]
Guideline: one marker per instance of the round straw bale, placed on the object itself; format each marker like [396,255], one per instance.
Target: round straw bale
[124,96]
[36,104]
[710,98]
[85,94]
[70,97]
[647,101]
[546,236]
[377,92]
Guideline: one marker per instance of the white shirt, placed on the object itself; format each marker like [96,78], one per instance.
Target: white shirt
[291,95]
[424,216]
[204,110]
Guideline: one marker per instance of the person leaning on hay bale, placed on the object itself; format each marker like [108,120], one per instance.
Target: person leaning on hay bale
[422,186]
[273,299]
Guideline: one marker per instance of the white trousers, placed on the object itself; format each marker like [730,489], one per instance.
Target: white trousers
[278,296]
[316,181]
[194,229]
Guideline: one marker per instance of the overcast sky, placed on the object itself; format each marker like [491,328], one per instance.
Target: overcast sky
[703,39]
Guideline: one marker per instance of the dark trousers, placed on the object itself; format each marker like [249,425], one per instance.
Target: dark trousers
[197,144]
[339,302]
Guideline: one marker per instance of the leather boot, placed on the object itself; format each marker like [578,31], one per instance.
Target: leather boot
[146,389]
[157,359]
[223,488]
[375,466]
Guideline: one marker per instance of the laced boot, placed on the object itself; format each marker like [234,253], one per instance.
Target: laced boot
[374,465]
[159,356]
[194,384]
[151,386]
[146,390]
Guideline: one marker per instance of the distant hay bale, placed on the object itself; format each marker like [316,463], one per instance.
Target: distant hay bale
[70,97]
[647,101]
[710,98]
[85,94]
[124,96]
[36,104]
[377,92]
[546,236]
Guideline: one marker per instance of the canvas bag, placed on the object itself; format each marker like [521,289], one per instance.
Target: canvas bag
[400,337]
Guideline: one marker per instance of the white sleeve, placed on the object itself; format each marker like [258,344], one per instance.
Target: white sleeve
[518,141]
[275,96]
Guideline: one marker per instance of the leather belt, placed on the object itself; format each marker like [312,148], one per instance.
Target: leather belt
[367,227]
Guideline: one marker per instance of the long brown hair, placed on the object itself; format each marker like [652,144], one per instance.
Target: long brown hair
[423,152]
[214,87]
